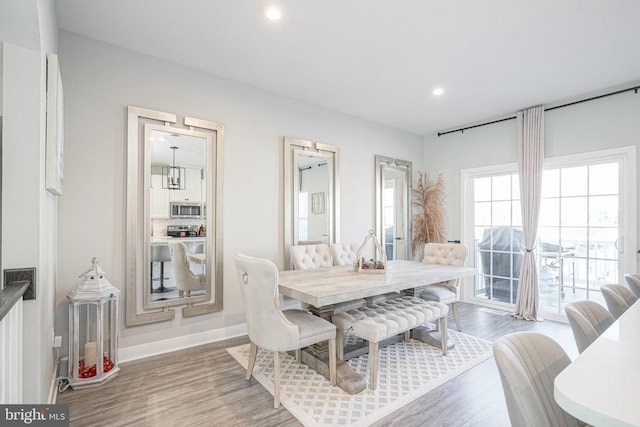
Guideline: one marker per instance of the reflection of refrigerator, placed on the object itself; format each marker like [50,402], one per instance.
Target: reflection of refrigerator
[495,254]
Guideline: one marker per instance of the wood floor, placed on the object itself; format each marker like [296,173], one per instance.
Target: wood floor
[204,386]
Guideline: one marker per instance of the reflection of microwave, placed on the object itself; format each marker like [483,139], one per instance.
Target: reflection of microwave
[185,210]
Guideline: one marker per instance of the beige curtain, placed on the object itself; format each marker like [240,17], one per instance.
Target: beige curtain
[530,159]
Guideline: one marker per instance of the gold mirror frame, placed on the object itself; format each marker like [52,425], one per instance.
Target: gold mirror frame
[138,258]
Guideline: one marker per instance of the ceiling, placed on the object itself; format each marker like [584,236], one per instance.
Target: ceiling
[379,60]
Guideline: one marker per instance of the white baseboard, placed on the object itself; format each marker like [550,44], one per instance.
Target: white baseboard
[128,354]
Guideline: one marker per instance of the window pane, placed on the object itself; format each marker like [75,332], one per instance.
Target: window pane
[501,214]
[549,212]
[515,187]
[482,189]
[517,214]
[482,214]
[574,181]
[549,238]
[551,183]
[574,211]
[602,243]
[603,210]
[501,187]
[603,179]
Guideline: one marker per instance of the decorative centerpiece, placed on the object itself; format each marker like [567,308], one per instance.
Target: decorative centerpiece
[377,264]
[93,334]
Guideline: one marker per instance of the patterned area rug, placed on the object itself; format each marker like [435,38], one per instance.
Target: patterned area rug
[407,371]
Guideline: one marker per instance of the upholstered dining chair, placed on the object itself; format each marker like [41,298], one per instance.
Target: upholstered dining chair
[588,320]
[447,292]
[633,280]
[186,280]
[528,363]
[275,330]
[304,257]
[344,253]
[618,299]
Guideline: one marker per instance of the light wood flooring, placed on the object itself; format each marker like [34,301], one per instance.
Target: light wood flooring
[204,386]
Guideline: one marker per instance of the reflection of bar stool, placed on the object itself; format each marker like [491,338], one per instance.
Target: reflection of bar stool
[160,253]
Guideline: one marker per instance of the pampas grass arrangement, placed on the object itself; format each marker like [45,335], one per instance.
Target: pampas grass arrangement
[428,222]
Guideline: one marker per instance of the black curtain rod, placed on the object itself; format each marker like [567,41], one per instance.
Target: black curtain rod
[635,89]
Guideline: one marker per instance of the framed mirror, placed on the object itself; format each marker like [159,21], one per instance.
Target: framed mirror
[311,193]
[393,206]
[174,234]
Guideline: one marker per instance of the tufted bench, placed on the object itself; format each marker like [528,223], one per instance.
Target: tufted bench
[385,319]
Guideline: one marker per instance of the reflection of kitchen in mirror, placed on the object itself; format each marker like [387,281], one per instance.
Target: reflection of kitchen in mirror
[177,213]
[313,178]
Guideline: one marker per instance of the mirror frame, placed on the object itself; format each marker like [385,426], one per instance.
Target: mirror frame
[137,264]
[293,147]
[381,162]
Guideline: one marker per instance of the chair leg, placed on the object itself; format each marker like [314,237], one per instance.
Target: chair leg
[253,353]
[332,361]
[373,365]
[443,334]
[456,316]
[407,335]
[276,379]
[298,354]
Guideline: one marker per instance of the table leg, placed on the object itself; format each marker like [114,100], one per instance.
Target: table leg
[316,356]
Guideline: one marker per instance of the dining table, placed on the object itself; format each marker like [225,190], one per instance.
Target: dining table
[600,387]
[322,290]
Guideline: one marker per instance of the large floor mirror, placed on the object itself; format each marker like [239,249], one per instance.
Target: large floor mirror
[174,234]
[311,193]
[393,206]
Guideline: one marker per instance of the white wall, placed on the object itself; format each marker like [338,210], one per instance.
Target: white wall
[601,124]
[101,80]
[28,30]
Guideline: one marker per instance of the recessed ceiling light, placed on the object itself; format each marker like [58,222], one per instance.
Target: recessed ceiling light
[273,13]
[437,91]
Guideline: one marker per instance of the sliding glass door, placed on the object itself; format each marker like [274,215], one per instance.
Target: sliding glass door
[585,214]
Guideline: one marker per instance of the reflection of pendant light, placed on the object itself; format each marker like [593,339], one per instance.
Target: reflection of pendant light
[174,174]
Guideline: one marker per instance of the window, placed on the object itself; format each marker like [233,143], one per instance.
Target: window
[579,246]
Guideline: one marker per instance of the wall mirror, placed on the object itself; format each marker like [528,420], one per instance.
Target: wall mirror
[393,206]
[174,234]
[311,193]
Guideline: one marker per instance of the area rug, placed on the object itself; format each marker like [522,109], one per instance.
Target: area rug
[407,370]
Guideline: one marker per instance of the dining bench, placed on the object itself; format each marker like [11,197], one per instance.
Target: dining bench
[381,320]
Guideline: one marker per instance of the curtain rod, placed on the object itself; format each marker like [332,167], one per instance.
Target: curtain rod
[635,89]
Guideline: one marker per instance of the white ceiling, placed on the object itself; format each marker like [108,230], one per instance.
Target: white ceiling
[379,60]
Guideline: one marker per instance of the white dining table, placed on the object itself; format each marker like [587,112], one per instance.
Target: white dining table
[322,287]
[601,386]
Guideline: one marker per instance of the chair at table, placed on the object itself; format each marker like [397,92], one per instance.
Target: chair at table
[186,280]
[275,330]
[528,363]
[618,299]
[344,253]
[588,321]
[304,257]
[633,280]
[447,292]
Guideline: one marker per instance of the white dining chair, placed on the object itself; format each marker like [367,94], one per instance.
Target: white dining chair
[528,363]
[588,320]
[344,253]
[633,280]
[304,257]
[186,280]
[618,298]
[447,292]
[275,330]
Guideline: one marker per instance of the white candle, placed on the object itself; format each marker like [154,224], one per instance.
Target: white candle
[89,354]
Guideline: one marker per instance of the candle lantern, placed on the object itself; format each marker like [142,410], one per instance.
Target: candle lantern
[93,329]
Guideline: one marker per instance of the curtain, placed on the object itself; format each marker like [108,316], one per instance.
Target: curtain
[530,160]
